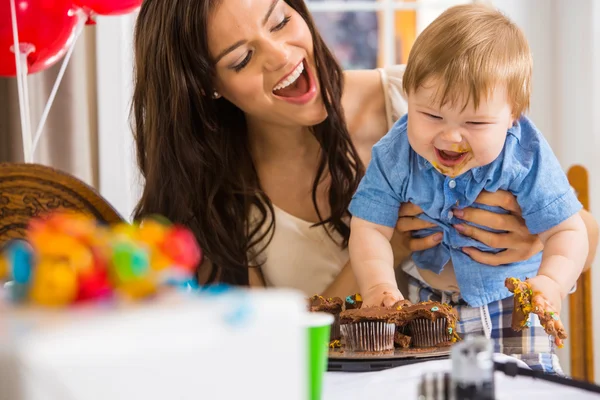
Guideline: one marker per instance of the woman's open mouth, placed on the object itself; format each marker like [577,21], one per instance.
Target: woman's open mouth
[297,87]
[450,158]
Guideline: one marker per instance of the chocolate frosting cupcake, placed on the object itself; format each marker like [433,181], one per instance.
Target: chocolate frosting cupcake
[331,305]
[353,301]
[368,329]
[430,323]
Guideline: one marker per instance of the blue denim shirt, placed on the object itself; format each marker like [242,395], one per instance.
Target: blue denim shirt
[526,167]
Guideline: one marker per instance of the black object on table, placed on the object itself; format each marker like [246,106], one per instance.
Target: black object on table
[370,364]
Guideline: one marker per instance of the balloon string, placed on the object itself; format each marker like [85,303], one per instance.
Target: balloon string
[21,63]
[78,30]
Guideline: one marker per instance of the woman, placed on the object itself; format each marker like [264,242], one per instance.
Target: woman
[248,131]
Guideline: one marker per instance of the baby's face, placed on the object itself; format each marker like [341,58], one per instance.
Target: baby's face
[454,139]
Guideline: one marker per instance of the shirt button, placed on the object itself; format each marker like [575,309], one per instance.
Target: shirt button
[452,184]
[450,214]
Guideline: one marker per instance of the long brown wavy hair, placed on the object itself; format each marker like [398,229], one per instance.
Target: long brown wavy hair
[193,150]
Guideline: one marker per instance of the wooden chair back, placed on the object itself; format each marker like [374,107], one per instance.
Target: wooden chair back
[581,338]
[31,190]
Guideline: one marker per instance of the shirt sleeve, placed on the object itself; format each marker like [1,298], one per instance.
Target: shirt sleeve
[378,196]
[542,189]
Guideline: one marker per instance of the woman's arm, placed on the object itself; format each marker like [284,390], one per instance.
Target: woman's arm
[205,273]
[343,285]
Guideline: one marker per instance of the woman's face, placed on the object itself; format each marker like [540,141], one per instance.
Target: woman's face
[264,59]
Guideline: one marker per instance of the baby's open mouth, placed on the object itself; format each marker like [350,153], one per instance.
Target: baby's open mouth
[450,158]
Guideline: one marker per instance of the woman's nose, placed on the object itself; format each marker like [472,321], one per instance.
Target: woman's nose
[277,56]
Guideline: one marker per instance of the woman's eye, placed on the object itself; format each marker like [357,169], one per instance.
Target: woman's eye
[246,59]
[280,25]
[243,63]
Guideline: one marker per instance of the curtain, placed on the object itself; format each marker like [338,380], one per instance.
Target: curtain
[69,140]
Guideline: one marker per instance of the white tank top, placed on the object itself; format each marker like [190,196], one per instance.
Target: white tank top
[305,258]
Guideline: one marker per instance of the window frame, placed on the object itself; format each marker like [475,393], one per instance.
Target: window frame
[386,13]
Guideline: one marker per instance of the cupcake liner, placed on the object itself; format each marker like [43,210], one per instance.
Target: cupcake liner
[372,336]
[426,333]
[335,328]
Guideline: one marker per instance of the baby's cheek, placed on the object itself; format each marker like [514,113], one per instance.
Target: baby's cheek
[485,153]
[485,157]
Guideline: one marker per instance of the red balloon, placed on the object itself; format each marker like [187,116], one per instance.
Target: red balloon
[109,7]
[46,25]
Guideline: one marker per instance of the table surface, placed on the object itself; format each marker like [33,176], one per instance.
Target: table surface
[402,382]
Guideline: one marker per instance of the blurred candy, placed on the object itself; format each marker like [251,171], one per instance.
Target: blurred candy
[151,232]
[77,254]
[70,257]
[16,292]
[215,289]
[189,285]
[94,284]
[20,257]
[130,261]
[54,284]
[138,288]
[181,246]
[159,219]
[124,230]
[3,267]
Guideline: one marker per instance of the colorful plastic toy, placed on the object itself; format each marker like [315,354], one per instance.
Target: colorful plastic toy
[69,258]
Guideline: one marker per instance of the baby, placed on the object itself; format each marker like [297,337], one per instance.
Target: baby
[467,83]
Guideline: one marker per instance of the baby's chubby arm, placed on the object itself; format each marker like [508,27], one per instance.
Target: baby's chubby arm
[372,261]
[565,251]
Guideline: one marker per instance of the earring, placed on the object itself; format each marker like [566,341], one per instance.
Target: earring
[216,95]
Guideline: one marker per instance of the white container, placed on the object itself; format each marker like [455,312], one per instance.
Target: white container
[237,345]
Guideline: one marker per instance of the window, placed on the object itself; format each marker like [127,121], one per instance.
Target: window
[374,33]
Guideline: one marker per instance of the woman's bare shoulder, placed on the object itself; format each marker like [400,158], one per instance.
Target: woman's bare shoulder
[362,88]
[364,107]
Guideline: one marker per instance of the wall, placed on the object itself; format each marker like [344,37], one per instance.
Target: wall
[577,103]
[118,178]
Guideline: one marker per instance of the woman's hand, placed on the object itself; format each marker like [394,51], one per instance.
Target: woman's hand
[403,244]
[519,243]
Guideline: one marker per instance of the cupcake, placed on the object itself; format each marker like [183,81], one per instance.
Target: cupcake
[401,340]
[333,306]
[429,324]
[400,304]
[353,301]
[369,329]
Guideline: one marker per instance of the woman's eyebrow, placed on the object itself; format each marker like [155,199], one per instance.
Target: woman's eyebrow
[241,42]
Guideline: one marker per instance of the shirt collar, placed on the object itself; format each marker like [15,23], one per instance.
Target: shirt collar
[423,163]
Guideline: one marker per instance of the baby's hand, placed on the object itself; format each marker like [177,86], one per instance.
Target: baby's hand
[546,303]
[547,289]
[382,295]
[540,295]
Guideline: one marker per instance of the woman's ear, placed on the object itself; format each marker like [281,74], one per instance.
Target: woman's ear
[214,95]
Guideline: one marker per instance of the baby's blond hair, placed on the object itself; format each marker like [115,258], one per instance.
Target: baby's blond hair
[471,49]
